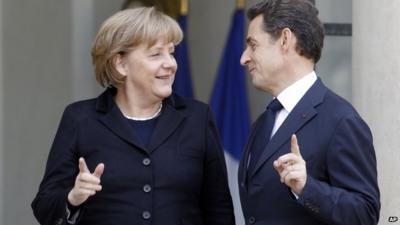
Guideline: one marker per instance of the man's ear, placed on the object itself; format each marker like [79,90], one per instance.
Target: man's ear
[287,39]
[120,65]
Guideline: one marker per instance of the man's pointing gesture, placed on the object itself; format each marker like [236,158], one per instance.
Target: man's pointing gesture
[292,168]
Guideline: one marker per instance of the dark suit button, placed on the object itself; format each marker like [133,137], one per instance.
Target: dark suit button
[147,188]
[307,203]
[146,215]
[146,161]
[252,219]
[242,184]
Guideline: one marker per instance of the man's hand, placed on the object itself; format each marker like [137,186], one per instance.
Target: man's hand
[86,183]
[292,168]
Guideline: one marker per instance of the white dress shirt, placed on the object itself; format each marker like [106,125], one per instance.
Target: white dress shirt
[291,96]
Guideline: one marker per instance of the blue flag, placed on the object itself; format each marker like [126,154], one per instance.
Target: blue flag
[229,96]
[183,82]
[230,106]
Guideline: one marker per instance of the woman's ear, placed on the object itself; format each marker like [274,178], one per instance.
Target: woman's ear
[120,65]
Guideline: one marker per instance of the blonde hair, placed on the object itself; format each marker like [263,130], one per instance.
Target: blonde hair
[124,31]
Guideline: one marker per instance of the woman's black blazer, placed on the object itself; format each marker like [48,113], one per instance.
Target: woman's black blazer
[180,178]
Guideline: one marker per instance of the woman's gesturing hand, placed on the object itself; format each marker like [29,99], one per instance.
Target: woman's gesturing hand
[86,183]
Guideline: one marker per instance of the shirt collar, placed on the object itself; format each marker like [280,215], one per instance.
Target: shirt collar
[292,94]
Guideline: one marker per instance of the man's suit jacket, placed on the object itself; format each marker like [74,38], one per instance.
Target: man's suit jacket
[180,178]
[337,146]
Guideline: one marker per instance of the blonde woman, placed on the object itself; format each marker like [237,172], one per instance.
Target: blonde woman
[137,154]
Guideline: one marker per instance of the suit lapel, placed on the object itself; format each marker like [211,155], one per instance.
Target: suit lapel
[257,127]
[303,112]
[114,120]
[167,123]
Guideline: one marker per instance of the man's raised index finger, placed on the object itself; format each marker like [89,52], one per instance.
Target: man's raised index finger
[294,146]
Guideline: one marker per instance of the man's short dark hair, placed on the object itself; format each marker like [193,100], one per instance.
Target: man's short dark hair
[300,16]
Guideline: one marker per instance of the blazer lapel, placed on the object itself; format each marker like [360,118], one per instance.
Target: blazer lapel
[166,125]
[303,112]
[114,120]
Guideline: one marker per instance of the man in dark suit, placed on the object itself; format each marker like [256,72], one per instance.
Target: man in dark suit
[310,157]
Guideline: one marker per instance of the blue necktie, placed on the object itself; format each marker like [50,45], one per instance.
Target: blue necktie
[273,107]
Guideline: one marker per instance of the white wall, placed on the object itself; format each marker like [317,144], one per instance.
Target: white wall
[36,86]
[335,65]
[83,31]
[376,90]
[1,115]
